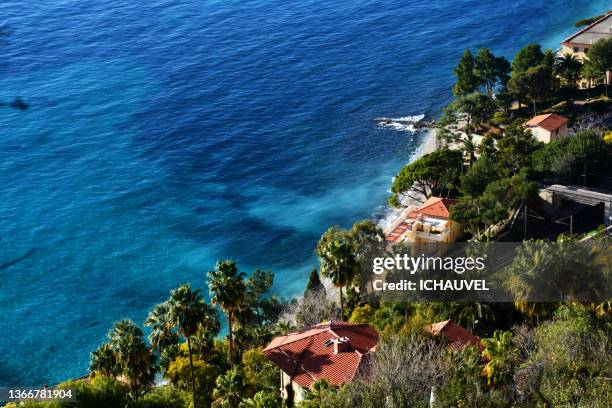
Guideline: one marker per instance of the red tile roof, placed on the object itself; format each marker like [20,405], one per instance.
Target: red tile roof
[457,336]
[305,356]
[550,122]
[434,207]
[398,232]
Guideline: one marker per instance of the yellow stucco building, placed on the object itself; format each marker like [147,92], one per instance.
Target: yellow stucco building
[579,43]
[425,224]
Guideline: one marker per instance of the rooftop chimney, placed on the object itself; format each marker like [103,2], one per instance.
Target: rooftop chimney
[338,344]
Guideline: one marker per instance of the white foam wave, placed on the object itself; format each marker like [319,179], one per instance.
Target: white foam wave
[387,216]
[401,124]
[415,118]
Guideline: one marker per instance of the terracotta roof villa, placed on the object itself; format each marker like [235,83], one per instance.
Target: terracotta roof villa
[457,336]
[428,223]
[332,351]
[547,128]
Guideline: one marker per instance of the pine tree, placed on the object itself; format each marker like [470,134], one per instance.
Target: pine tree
[467,81]
[528,57]
[490,69]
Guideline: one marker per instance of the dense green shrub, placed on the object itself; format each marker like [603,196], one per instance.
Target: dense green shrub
[576,352]
[205,374]
[259,372]
[570,157]
[163,397]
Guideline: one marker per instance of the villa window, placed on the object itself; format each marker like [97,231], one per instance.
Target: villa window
[576,49]
[586,50]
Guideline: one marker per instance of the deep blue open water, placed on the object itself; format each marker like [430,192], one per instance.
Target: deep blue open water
[166,134]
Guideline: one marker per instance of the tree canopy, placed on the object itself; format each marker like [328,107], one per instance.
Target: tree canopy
[467,81]
[478,213]
[571,158]
[484,69]
[529,56]
[434,174]
[478,106]
[535,84]
[599,60]
[478,177]
[490,69]
[588,21]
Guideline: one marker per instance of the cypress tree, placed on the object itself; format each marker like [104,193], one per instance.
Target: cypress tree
[314,283]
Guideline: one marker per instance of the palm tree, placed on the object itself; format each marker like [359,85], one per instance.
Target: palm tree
[228,289]
[229,388]
[469,147]
[496,352]
[261,399]
[203,343]
[103,360]
[261,335]
[140,368]
[121,330]
[283,327]
[162,327]
[555,272]
[337,255]
[190,314]
[134,359]
[569,68]
[526,273]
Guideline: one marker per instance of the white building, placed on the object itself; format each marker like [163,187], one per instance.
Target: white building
[547,128]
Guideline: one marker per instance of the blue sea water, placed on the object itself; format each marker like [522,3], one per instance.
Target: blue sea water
[164,135]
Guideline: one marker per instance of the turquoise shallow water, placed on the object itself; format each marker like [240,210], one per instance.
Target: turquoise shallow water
[163,136]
